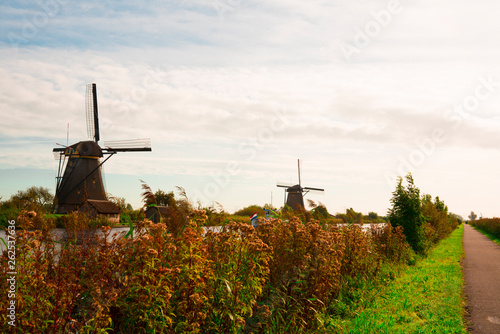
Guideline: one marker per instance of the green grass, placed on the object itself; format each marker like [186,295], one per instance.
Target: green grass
[427,298]
[492,237]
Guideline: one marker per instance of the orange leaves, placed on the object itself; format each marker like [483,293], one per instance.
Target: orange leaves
[489,225]
[390,243]
[171,277]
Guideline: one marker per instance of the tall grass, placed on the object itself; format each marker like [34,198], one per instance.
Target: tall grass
[171,277]
[427,298]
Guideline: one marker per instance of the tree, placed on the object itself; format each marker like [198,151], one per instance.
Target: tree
[318,210]
[120,201]
[436,215]
[250,210]
[406,212]
[164,199]
[33,198]
[457,217]
[36,199]
[472,216]
[322,211]
[159,197]
[353,217]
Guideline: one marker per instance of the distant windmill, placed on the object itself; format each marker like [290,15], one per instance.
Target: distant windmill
[296,193]
[82,177]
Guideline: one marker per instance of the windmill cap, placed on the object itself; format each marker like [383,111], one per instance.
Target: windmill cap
[87,148]
[295,188]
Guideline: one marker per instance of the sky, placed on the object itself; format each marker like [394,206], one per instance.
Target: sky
[233,92]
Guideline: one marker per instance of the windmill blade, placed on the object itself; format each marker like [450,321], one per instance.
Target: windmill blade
[91,112]
[131,145]
[298,165]
[314,189]
[284,185]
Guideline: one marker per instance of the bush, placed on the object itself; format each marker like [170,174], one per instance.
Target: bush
[424,222]
[171,277]
[390,242]
[250,210]
[489,225]
[406,212]
[304,271]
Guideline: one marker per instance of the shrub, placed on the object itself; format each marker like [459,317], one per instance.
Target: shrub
[304,271]
[250,210]
[489,225]
[406,212]
[172,277]
[390,242]
[240,261]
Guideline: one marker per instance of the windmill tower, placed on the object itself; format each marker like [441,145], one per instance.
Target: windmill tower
[81,180]
[296,193]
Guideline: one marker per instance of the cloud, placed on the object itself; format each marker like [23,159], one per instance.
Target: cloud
[206,82]
[228,105]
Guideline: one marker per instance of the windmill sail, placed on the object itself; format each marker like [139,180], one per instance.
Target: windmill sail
[130,145]
[298,165]
[92,114]
[315,189]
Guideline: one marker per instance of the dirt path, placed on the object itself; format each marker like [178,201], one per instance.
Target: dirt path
[481,268]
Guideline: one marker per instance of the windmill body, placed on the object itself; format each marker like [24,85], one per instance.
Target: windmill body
[79,179]
[294,194]
[82,177]
[294,198]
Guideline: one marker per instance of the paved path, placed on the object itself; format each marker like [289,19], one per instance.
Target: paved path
[481,269]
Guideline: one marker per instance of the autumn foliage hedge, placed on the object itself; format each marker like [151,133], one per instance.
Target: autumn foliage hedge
[489,225]
[170,278]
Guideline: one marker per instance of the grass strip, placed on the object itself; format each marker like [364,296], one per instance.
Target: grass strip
[492,237]
[427,298]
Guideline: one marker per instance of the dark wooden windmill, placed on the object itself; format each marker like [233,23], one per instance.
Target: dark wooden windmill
[294,194]
[79,177]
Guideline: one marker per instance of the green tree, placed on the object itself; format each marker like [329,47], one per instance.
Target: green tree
[353,217]
[33,198]
[406,212]
[318,210]
[38,199]
[164,198]
[472,216]
[250,210]
[159,197]
[120,201]
[322,211]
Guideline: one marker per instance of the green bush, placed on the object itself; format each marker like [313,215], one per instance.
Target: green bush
[250,210]
[406,212]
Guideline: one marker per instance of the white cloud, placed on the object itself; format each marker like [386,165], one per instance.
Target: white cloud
[205,87]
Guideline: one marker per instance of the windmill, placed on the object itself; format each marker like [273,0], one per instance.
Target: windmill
[79,177]
[296,193]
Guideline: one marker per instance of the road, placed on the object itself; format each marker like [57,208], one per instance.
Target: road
[481,268]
